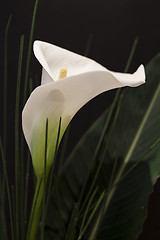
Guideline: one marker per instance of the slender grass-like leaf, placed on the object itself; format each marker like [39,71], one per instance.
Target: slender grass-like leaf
[88,46]
[32,222]
[29,52]
[130,58]
[5,83]
[92,214]
[155,144]
[3,232]
[26,86]
[27,174]
[71,230]
[7,188]
[101,162]
[17,160]
[13,207]
[99,147]
[63,148]
[51,175]
[87,210]
[38,196]
[26,192]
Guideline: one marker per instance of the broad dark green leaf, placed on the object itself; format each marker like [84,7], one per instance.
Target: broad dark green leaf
[130,168]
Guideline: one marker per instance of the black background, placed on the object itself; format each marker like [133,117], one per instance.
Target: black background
[112,25]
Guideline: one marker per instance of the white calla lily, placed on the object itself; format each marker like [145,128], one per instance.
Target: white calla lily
[62,98]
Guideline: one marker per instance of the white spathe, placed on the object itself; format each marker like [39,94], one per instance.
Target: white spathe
[64,97]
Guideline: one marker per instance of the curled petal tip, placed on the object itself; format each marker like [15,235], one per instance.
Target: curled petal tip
[141,74]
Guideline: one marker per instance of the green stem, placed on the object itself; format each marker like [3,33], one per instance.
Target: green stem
[36,210]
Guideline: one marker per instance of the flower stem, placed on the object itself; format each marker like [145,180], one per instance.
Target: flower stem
[36,210]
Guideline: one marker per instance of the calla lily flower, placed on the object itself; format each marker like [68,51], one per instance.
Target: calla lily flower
[69,81]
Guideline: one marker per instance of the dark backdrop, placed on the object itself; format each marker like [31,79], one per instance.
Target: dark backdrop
[112,26]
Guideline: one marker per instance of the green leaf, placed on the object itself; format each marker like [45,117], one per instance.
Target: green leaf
[3,232]
[129,170]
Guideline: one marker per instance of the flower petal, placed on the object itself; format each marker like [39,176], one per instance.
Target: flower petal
[132,80]
[53,58]
[46,78]
[64,98]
